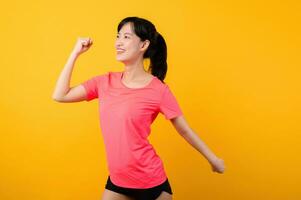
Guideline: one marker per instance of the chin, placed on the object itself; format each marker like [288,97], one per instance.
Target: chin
[121,59]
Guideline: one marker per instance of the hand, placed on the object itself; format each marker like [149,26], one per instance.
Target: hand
[218,165]
[82,45]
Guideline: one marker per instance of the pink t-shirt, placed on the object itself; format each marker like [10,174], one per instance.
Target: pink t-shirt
[126,115]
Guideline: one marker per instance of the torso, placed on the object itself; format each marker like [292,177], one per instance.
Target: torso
[126,115]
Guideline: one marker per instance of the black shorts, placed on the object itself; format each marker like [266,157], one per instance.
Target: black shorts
[140,194]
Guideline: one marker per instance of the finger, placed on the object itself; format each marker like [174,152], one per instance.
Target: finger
[86,42]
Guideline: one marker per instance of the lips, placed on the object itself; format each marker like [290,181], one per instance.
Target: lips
[120,50]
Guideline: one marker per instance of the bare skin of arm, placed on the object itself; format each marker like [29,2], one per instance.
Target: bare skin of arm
[63,92]
[195,141]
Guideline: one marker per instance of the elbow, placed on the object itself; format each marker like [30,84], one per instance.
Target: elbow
[183,132]
[56,98]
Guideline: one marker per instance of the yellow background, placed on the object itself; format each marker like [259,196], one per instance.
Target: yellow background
[234,67]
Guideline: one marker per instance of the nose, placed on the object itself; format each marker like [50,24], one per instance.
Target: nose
[118,43]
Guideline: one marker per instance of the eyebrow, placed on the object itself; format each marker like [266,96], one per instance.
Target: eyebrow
[127,33]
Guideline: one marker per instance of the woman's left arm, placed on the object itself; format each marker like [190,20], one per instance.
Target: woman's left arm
[192,138]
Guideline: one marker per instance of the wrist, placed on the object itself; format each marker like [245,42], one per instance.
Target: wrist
[212,159]
[74,54]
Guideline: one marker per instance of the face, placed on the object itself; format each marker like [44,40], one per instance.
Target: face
[128,45]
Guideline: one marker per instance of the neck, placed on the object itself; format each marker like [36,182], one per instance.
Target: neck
[134,71]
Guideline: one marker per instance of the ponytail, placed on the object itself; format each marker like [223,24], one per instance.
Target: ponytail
[158,56]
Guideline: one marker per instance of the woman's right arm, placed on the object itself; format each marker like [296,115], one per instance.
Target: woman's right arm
[63,92]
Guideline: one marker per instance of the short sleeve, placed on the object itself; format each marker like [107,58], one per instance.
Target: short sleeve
[169,106]
[93,86]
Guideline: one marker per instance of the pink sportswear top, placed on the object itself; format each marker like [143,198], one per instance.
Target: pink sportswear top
[126,115]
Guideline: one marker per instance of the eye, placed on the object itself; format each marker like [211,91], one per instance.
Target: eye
[124,36]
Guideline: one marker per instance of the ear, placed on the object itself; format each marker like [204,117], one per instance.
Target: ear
[145,45]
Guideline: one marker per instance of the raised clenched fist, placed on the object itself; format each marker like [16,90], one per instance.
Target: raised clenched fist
[82,45]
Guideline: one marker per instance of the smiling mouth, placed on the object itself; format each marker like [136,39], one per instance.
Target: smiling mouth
[119,51]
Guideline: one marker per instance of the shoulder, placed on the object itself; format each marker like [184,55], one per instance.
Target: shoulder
[107,75]
[160,86]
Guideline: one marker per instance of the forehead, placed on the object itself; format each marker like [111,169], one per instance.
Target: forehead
[126,29]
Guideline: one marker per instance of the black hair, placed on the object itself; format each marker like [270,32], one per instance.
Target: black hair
[157,49]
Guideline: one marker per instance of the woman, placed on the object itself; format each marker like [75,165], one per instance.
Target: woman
[130,101]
